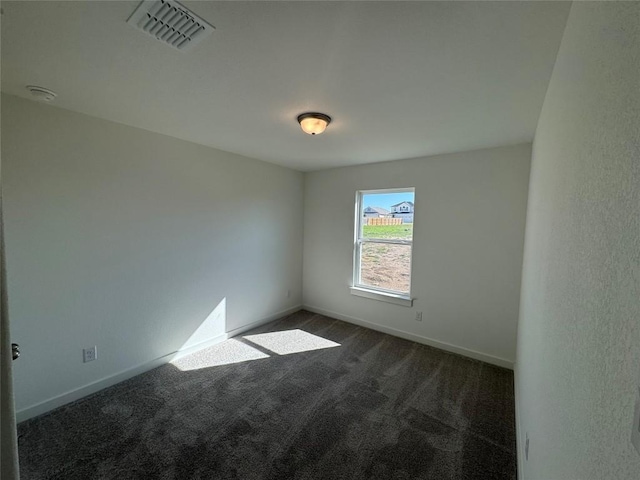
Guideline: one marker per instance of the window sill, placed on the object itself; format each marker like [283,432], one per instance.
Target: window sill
[395,298]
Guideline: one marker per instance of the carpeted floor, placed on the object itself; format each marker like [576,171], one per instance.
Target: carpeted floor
[310,397]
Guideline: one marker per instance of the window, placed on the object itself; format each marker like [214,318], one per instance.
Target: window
[383,245]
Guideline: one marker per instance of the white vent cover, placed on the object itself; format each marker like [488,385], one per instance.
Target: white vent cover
[171,23]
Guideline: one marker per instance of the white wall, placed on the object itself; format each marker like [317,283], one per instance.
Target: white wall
[467,257]
[578,365]
[128,240]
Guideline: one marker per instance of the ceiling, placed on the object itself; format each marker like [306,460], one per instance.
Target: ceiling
[400,79]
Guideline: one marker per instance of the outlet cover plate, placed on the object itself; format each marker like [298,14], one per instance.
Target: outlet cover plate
[89,354]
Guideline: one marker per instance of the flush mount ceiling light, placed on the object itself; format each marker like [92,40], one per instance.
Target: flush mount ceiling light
[41,93]
[313,123]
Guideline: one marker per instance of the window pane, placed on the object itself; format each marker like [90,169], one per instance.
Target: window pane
[387,215]
[386,266]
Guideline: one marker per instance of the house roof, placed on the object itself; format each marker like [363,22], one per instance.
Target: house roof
[410,203]
[377,210]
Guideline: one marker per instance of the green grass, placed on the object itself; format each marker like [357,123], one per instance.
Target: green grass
[404,231]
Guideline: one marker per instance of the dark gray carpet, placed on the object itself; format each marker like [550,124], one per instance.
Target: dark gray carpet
[375,407]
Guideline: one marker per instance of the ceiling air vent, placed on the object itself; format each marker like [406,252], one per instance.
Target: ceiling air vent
[171,23]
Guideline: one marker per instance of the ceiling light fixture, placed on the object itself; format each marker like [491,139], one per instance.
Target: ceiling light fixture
[41,93]
[313,123]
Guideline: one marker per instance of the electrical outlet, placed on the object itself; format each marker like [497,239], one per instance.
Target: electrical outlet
[90,354]
[288,293]
[418,316]
[526,446]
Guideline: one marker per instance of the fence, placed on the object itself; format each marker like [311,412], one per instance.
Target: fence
[384,221]
[407,217]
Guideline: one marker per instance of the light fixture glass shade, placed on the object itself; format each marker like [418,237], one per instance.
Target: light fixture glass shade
[42,94]
[313,123]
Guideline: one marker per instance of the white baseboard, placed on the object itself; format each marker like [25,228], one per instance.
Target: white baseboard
[233,333]
[237,331]
[501,362]
[93,387]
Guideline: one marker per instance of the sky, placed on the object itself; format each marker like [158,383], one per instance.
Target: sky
[385,200]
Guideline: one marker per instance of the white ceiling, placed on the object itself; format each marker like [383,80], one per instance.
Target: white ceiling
[400,79]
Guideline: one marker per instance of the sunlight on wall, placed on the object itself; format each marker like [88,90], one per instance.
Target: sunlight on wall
[225,353]
[214,325]
[290,341]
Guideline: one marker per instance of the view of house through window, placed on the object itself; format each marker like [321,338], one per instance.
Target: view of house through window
[384,237]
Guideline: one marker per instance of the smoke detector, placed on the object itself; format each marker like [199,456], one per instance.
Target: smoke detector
[170,23]
[41,93]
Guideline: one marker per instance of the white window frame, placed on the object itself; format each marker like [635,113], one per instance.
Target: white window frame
[368,291]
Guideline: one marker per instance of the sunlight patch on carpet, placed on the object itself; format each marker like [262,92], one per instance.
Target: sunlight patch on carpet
[225,353]
[287,342]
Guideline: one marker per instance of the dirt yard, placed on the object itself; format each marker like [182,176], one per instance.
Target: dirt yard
[386,266]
